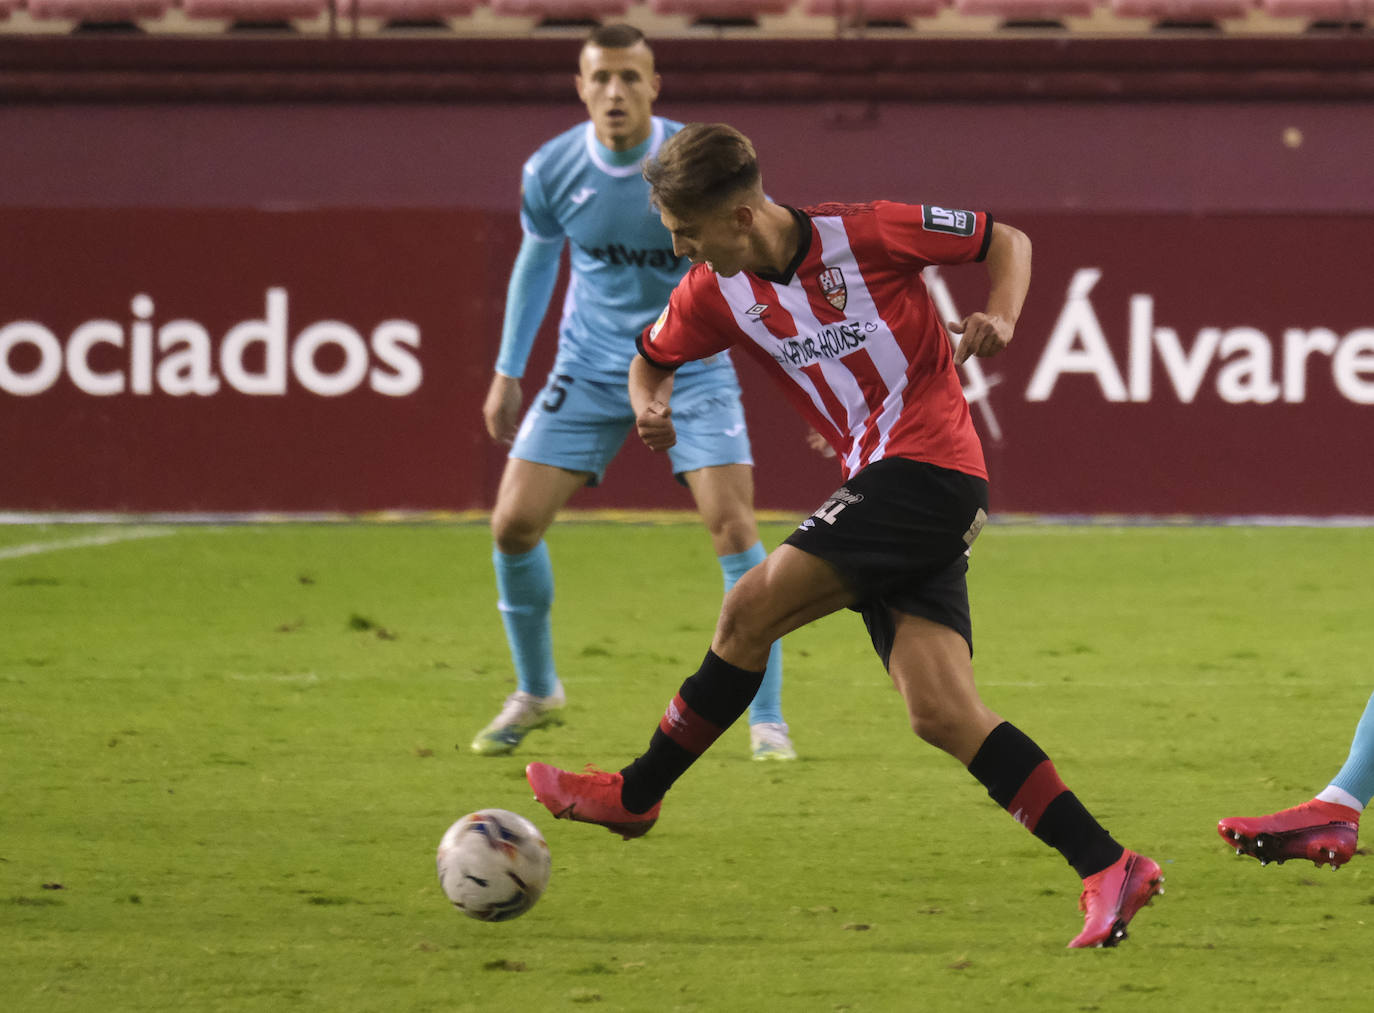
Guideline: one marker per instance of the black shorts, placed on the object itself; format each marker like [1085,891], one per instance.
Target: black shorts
[899,533]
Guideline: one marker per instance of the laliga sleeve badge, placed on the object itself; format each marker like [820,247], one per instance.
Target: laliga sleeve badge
[947,220]
[658,324]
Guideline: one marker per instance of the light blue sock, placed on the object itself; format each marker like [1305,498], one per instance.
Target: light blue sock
[1357,776]
[767,705]
[524,584]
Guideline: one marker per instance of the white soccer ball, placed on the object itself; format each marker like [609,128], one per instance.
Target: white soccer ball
[493,864]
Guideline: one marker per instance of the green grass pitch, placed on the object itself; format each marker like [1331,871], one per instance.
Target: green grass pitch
[228,753]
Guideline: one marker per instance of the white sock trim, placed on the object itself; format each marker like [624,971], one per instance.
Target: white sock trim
[1340,797]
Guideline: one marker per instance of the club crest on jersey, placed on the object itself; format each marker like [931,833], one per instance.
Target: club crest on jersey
[833,288]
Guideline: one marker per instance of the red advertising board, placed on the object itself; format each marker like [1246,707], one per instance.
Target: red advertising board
[336,360]
[238,360]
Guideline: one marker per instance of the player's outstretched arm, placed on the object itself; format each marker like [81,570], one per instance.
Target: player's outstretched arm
[1009,268]
[651,389]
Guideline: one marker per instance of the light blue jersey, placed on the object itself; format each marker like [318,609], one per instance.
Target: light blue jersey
[623,267]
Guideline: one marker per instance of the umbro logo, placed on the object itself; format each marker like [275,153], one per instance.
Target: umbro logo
[583,195]
[756,311]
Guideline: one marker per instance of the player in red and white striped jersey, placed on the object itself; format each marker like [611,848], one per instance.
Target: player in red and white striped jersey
[848,328]
[831,301]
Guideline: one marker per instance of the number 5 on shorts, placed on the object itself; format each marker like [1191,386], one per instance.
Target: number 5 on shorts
[558,391]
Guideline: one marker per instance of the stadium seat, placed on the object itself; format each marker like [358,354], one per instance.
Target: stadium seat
[1182,10]
[871,11]
[1027,10]
[253,10]
[1320,10]
[406,10]
[560,10]
[720,10]
[97,10]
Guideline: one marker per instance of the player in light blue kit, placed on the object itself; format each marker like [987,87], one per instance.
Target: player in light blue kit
[584,188]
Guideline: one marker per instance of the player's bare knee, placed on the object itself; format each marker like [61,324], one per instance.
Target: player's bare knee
[738,634]
[733,534]
[939,726]
[956,727]
[935,732]
[513,533]
[733,625]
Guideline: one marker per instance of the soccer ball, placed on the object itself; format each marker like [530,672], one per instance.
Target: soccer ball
[493,864]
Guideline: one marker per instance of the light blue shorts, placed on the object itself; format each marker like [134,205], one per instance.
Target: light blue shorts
[581,424]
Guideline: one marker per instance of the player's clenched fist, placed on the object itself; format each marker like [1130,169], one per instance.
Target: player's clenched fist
[655,426]
[501,410]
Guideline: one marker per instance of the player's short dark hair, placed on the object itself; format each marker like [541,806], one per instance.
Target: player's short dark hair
[615,36]
[700,167]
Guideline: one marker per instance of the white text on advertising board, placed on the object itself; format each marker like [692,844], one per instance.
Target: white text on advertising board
[1251,366]
[180,357]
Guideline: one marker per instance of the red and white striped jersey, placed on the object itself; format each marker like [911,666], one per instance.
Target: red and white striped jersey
[850,333]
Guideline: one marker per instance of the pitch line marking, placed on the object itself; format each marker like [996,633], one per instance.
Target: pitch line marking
[86,541]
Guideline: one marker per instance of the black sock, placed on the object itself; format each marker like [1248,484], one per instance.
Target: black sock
[1022,780]
[707,704]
